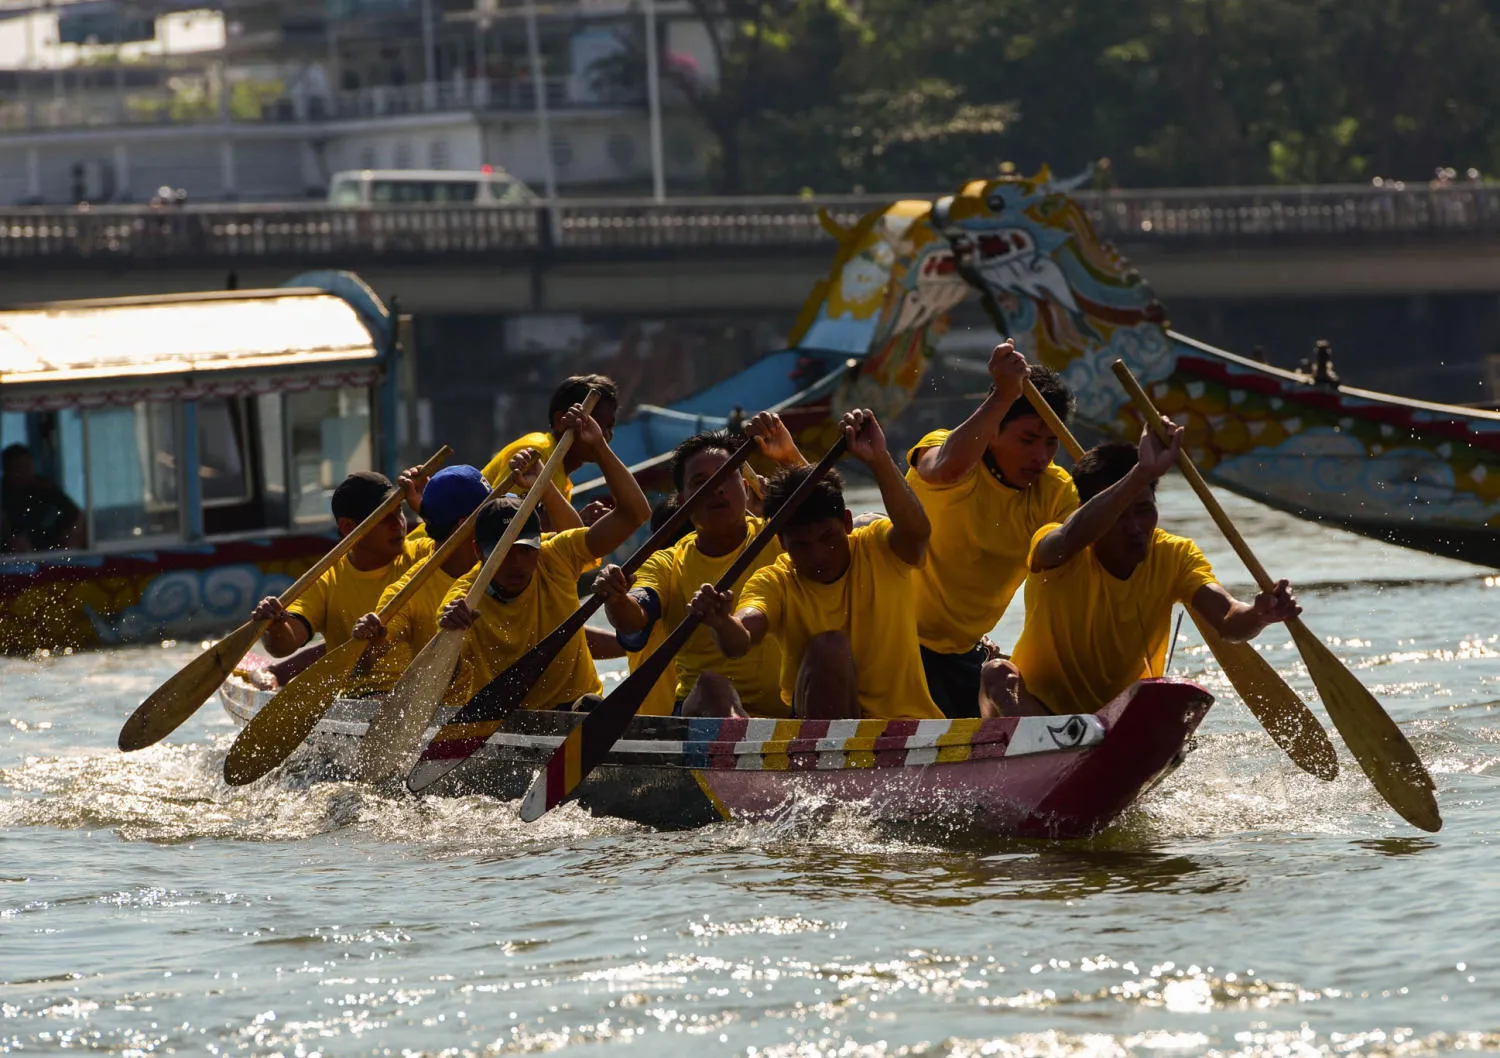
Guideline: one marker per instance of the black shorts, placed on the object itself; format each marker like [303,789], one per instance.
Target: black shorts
[953,680]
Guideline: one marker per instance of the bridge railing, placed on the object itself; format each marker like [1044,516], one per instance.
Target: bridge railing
[308,232]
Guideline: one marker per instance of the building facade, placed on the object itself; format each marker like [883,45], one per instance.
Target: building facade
[105,102]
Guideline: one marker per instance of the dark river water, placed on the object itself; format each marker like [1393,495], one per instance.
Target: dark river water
[1243,908]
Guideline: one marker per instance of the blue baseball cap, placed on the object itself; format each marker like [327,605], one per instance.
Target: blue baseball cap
[451,495]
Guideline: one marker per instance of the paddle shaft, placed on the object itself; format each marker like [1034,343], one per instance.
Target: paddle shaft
[1189,469]
[344,546]
[528,504]
[666,653]
[498,698]
[591,741]
[431,564]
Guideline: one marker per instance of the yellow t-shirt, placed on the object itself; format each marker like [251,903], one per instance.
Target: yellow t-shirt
[675,573]
[496,468]
[411,627]
[663,696]
[343,594]
[507,630]
[981,536]
[871,604]
[1089,635]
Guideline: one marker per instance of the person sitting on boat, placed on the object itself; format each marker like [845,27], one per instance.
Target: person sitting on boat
[987,487]
[840,598]
[708,683]
[1103,582]
[572,391]
[35,515]
[352,588]
[536,587]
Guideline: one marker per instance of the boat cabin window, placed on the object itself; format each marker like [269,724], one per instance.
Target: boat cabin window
[241,464]
[329,432]
[41,482]
[132,473]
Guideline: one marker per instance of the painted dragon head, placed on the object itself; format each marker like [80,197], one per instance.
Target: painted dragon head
[1068,300]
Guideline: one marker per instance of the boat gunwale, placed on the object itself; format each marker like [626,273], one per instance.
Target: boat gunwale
[1455,411]
[1008,737]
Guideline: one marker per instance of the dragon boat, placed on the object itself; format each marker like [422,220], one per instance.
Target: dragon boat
[1030,777]
[1414,473]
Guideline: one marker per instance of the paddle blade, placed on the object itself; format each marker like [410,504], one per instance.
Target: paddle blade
[287,719]
[413,700]
[1286,718]
[184,694]
[395,734]
[1393,766]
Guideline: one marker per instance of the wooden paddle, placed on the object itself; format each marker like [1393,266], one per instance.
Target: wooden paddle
[184,694]
[284,722]
[420,689]
[590,742]
[1284,715]
[505,693]
[1371,735]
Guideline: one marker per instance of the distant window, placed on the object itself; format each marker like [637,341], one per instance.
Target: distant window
[403,155]
[455,190]
[223,452]
[437,154]
[367,157]
[330,436]
[132,457]
[562,152]
[345,193]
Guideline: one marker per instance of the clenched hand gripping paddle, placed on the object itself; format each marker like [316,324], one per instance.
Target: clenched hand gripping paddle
[182,695]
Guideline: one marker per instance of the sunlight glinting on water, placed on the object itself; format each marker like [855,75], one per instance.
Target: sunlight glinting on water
[1242,908]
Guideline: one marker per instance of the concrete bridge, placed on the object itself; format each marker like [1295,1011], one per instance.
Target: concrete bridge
[739,255]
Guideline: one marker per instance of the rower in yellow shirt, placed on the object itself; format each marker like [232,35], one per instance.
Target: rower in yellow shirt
[572,391]
[708,683]
[352,587]
[987,487]
[535,588]
[840,598]
[1103,582]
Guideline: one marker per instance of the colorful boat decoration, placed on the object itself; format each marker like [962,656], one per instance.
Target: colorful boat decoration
[1413,473]
[198,437]
[1032,777]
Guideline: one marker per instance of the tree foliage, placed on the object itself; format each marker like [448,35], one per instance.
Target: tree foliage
[899,95]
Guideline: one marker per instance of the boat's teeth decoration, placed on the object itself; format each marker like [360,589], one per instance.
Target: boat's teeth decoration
[1009,261]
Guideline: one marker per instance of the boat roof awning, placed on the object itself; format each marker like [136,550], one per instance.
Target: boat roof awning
[125,349]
